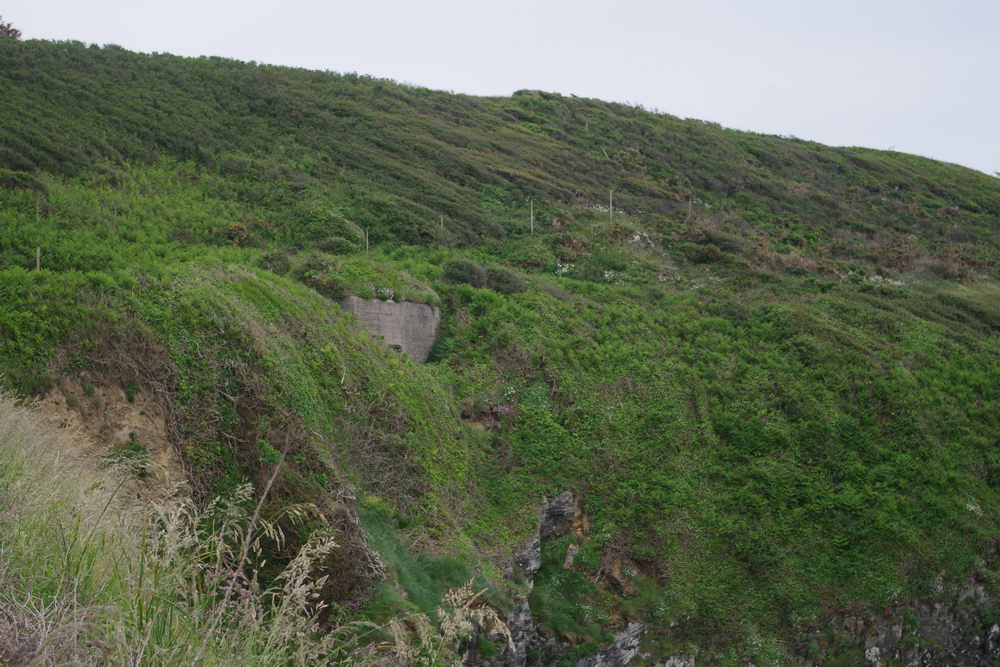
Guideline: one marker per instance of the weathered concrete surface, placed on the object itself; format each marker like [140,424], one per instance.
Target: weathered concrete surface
[410,327]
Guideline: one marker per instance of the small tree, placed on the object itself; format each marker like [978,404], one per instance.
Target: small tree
[8,30]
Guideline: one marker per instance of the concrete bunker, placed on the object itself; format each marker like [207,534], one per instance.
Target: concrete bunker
[409,327]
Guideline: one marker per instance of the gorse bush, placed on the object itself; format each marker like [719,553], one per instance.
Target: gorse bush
[276,261]
[337,245]
[504,281]
[464,271]
[700,253]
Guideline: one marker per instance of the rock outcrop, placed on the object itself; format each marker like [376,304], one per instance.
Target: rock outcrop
[522,629]
[676,661]
[407,326]
[618,653]
[962,631]
[558,516]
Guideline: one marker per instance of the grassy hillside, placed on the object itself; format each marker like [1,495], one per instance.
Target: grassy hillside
[91,576]
[772,369]
[287,148]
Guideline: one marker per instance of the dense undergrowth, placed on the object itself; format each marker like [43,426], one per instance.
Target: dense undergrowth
[92,576]
[771,370]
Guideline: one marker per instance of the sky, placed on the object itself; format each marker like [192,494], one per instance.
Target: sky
[919,76]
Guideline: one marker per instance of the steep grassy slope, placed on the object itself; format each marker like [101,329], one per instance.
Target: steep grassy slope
[772,371]
[288,147]
[91,575]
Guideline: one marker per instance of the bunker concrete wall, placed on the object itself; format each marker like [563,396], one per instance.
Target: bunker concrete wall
[412,327]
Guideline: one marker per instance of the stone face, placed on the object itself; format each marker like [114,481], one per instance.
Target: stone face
[407,326]
[557,515]
[676,661]
[529,559]
[944,632]
[522,627]
[620,652]
[512,653]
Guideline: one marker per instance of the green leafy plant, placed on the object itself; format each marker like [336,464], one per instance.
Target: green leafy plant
[504,281]
[464,271]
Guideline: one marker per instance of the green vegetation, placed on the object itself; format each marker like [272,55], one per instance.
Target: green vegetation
[772,370]
[464,271]
[132,455]
[80,565]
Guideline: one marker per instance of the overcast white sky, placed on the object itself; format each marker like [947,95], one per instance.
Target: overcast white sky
[921,76]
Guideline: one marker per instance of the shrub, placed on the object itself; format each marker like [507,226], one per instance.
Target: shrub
[504,281]
[724,240]
[464,271]
[8,30]
[318,273]
[236,234]
[337,245]
[797,263]
[945,269]
[22,180]
[700,254]
[535,255]
[327,284]
[275,261]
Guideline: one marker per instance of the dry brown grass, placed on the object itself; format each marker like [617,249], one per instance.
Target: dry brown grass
[90,576]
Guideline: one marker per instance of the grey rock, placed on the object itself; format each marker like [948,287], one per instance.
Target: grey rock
[945,632]
[620,652]
[676,661]
[557,515]
[529,559]
[522,629]
[554,519]
[508,654]
[407,326]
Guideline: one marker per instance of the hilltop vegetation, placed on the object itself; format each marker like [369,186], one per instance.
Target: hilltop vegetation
[771,370]
[289,149]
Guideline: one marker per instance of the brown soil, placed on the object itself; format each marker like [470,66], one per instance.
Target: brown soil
[108,421]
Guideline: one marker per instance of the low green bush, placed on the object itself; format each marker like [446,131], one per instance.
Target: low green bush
[504,281]
[275,261]
[700,254]
[337,245]
[465,271]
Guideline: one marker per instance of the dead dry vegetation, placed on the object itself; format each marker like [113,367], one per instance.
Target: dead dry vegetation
[92,571]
